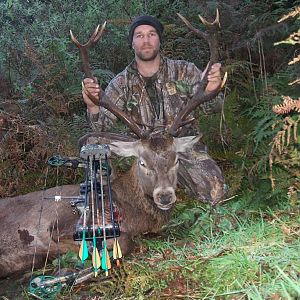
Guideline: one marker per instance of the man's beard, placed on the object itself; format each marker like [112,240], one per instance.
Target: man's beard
[147,56]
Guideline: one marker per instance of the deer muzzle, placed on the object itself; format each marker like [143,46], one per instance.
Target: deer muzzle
[164,198]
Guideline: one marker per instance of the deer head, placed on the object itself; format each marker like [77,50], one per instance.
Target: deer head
[157,164]
[154,173]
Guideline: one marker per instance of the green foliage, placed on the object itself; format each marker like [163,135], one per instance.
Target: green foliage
[68,260]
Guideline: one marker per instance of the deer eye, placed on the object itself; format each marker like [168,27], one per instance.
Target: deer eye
[142,163]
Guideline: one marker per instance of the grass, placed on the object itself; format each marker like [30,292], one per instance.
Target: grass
[231,253]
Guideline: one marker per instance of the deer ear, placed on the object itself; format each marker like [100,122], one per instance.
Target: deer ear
[125,149]
[183,144]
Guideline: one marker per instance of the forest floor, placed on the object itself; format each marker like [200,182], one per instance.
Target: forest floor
[241,250]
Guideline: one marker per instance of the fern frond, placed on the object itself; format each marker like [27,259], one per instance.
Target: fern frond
[295,60]
[293,39]
[287,106]
[297,81]
[264,130]
[292,14]
[280,142]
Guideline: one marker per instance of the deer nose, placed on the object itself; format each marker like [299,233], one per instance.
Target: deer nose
[165,199]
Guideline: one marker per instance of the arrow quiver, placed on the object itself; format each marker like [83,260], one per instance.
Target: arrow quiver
[98,220]
[91,155]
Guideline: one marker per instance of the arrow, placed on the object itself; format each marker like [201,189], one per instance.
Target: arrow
[83,250]
[105,263]
[117,253]
[95,255]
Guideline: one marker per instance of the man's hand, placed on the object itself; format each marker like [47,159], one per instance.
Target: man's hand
[91,87]
[214,78]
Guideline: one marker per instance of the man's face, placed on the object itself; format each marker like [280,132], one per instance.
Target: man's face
[145,42]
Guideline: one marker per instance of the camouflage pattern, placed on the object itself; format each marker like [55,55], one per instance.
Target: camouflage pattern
[154,102]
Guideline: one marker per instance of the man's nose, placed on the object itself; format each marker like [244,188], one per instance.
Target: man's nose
[146,39]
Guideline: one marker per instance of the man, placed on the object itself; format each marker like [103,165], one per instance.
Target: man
[152,89]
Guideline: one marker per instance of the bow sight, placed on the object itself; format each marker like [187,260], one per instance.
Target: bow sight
[97,223]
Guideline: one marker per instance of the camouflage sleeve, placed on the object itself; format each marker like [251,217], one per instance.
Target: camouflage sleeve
[105,120]
[194,76]
[213,106]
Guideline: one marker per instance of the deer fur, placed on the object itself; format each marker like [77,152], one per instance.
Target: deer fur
[20,230]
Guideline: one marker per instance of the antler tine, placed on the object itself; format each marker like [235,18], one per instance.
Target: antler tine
[99,34]
[201,96]
[73,38]
[105,102]
[89,42]
[191,27]
[215,22]
[92,40]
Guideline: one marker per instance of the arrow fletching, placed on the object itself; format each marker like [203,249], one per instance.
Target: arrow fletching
[105,262]
[108,261]
[83,251]
[117,253]
[96,261]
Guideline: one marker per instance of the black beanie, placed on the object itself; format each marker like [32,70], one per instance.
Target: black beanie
[145,20]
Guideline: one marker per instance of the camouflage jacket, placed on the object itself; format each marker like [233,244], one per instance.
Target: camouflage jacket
[152,101]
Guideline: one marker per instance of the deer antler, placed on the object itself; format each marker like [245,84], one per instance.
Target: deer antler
[84,48]
[201,95]
[105,102]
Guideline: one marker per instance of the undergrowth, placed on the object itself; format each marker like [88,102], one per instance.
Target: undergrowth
[228,253]
[232,252]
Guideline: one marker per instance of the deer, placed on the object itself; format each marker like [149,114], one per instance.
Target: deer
[144,195]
